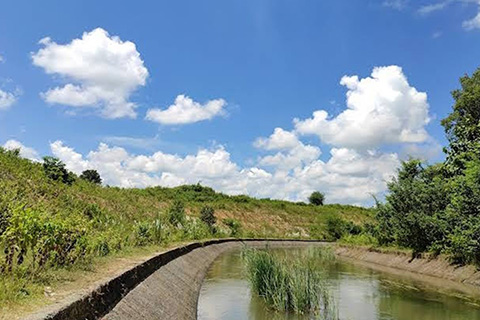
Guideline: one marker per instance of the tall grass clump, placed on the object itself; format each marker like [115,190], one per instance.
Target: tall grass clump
[290,286]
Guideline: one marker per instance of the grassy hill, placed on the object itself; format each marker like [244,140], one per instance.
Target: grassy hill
[48,225]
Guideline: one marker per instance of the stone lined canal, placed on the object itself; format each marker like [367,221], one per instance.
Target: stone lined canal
[361,294]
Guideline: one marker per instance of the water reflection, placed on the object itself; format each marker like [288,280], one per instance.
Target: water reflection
[362,294]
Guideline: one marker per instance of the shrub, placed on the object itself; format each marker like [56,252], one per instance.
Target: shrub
[196,230]
[241,198]
[91,176]
[55,170]
[414,215]
[47,240]
[316,198]
[336,227]
[176,213]
[234,225]
[93,211]
[207,215]
[142,233]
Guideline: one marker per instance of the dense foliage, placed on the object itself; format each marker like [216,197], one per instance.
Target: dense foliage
[55,170]
[92,176]
[437,208]
[207,215]
[317,198]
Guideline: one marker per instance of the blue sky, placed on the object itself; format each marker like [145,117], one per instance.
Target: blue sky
[178,92]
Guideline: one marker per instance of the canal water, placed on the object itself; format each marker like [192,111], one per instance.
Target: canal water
[361,293]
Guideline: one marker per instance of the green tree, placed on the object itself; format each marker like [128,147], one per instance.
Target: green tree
[91,176]
[207,215]
[317,198]
[413,215]
[55,170]
[462,125]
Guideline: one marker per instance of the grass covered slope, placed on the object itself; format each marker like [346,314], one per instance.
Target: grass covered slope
[49,226]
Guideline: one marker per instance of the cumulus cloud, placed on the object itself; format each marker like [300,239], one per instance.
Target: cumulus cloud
[278,140]
[348,176]
[185,111]
[25,152]
[7,99]
[381,109]
[427,151]
[473,23]
[292,152]
[101,71]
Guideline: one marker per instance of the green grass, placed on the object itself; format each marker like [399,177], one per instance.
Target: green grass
[47,226]
[292,284]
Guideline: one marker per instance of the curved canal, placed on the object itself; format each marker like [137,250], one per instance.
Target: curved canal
[361,293]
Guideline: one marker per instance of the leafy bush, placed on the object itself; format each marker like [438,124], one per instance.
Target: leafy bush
[316,198]
[143,233]
[91,176]
[336,227]
[235,226]
[55,170]
[47,240]
[176,213]
[196,230]
[207,215]
[414,212]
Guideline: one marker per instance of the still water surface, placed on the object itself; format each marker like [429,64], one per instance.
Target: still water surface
[361,294]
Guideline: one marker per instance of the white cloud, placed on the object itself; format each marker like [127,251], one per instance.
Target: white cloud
[473,23]
[101,71]
[427,9]
[470,24]
[294,158]
[25,152]
[7,99]
[427,151]
[293,153]
[278,140]
[348,177]
[395,4]
[139,143]
[185,111]
[120,168]
[349,174]
[381,109]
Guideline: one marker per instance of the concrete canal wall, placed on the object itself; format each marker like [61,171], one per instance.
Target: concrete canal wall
[164,287]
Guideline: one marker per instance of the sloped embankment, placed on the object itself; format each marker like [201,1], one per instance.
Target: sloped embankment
[164,287]
[438,267]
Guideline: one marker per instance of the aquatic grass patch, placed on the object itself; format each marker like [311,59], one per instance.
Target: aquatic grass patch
[291,285]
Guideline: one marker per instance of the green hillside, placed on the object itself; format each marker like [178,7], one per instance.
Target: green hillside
[49,225]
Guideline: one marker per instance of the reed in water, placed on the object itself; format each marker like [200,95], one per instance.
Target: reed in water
[289,285]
